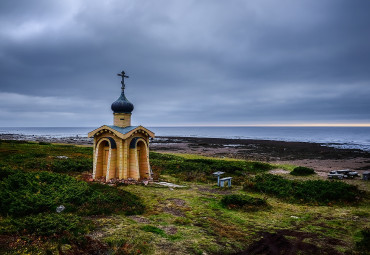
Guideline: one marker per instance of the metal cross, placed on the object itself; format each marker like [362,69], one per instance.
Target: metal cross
[123,75]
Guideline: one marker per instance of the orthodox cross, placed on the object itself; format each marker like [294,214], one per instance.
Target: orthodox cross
[123,75]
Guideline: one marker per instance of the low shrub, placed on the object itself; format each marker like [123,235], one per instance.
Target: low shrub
[363,244]
[25,193]
[302,171]
[48,224]
[44,143]
[243,202]
[315,192]
[41,156]
[71,165]
[5,172]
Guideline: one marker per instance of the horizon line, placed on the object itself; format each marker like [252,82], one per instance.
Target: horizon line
[235,125]
[278,125]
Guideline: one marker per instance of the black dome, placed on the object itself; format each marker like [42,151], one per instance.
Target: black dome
[122,105]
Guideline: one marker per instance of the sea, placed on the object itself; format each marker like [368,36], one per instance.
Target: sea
[339,137]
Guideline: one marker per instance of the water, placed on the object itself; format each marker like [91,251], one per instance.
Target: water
[340,137]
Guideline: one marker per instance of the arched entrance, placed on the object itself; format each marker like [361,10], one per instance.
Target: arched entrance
[105,158]
[142,157]
[139,159]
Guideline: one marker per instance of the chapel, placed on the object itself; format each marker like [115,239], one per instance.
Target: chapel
[121,151]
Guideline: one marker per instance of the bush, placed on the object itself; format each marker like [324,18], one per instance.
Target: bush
[316,192]
[302,171]
[71,165]
[47,224]
[25,193]
[243,202]
[35,156]
[5,172]
[44,143]
[363,244]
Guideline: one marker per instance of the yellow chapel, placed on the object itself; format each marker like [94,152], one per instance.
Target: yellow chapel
[121,151]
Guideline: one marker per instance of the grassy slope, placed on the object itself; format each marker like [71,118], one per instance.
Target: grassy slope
[191,220]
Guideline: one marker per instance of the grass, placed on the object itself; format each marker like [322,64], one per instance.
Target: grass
[190,220]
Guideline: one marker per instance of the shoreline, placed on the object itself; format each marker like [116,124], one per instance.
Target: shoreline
[317,156]
[321,158]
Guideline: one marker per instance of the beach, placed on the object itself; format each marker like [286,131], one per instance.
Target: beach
[314,155]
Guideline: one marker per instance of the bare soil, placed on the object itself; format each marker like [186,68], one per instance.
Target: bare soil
[288,242]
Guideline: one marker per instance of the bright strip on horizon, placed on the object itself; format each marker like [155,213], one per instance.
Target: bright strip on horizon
[278,125]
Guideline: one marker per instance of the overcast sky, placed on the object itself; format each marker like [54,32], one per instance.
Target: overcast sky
[204,62]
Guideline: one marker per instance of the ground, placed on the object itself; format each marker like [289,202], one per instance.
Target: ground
[192,220]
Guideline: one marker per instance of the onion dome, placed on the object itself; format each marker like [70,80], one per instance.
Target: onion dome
[122,105]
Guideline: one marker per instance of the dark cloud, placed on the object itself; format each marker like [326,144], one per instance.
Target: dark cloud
[190,62]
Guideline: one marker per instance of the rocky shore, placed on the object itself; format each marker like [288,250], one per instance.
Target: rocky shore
[318,156]
[74,140]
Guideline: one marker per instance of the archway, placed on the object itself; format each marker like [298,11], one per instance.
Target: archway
[139,159]
[142,157]
[105,158]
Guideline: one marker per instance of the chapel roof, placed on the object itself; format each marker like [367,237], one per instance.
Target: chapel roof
[122,132]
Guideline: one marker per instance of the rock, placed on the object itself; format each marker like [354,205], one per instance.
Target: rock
[62,157]
[60,208]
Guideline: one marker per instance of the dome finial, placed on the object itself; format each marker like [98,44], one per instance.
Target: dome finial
[123,75]
[122,105]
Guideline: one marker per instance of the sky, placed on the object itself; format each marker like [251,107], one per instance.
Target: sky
[191,63]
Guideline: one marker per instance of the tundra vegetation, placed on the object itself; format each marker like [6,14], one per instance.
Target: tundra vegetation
[261,211]
[302,171]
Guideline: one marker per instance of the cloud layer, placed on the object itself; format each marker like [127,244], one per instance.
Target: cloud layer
[189,62]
